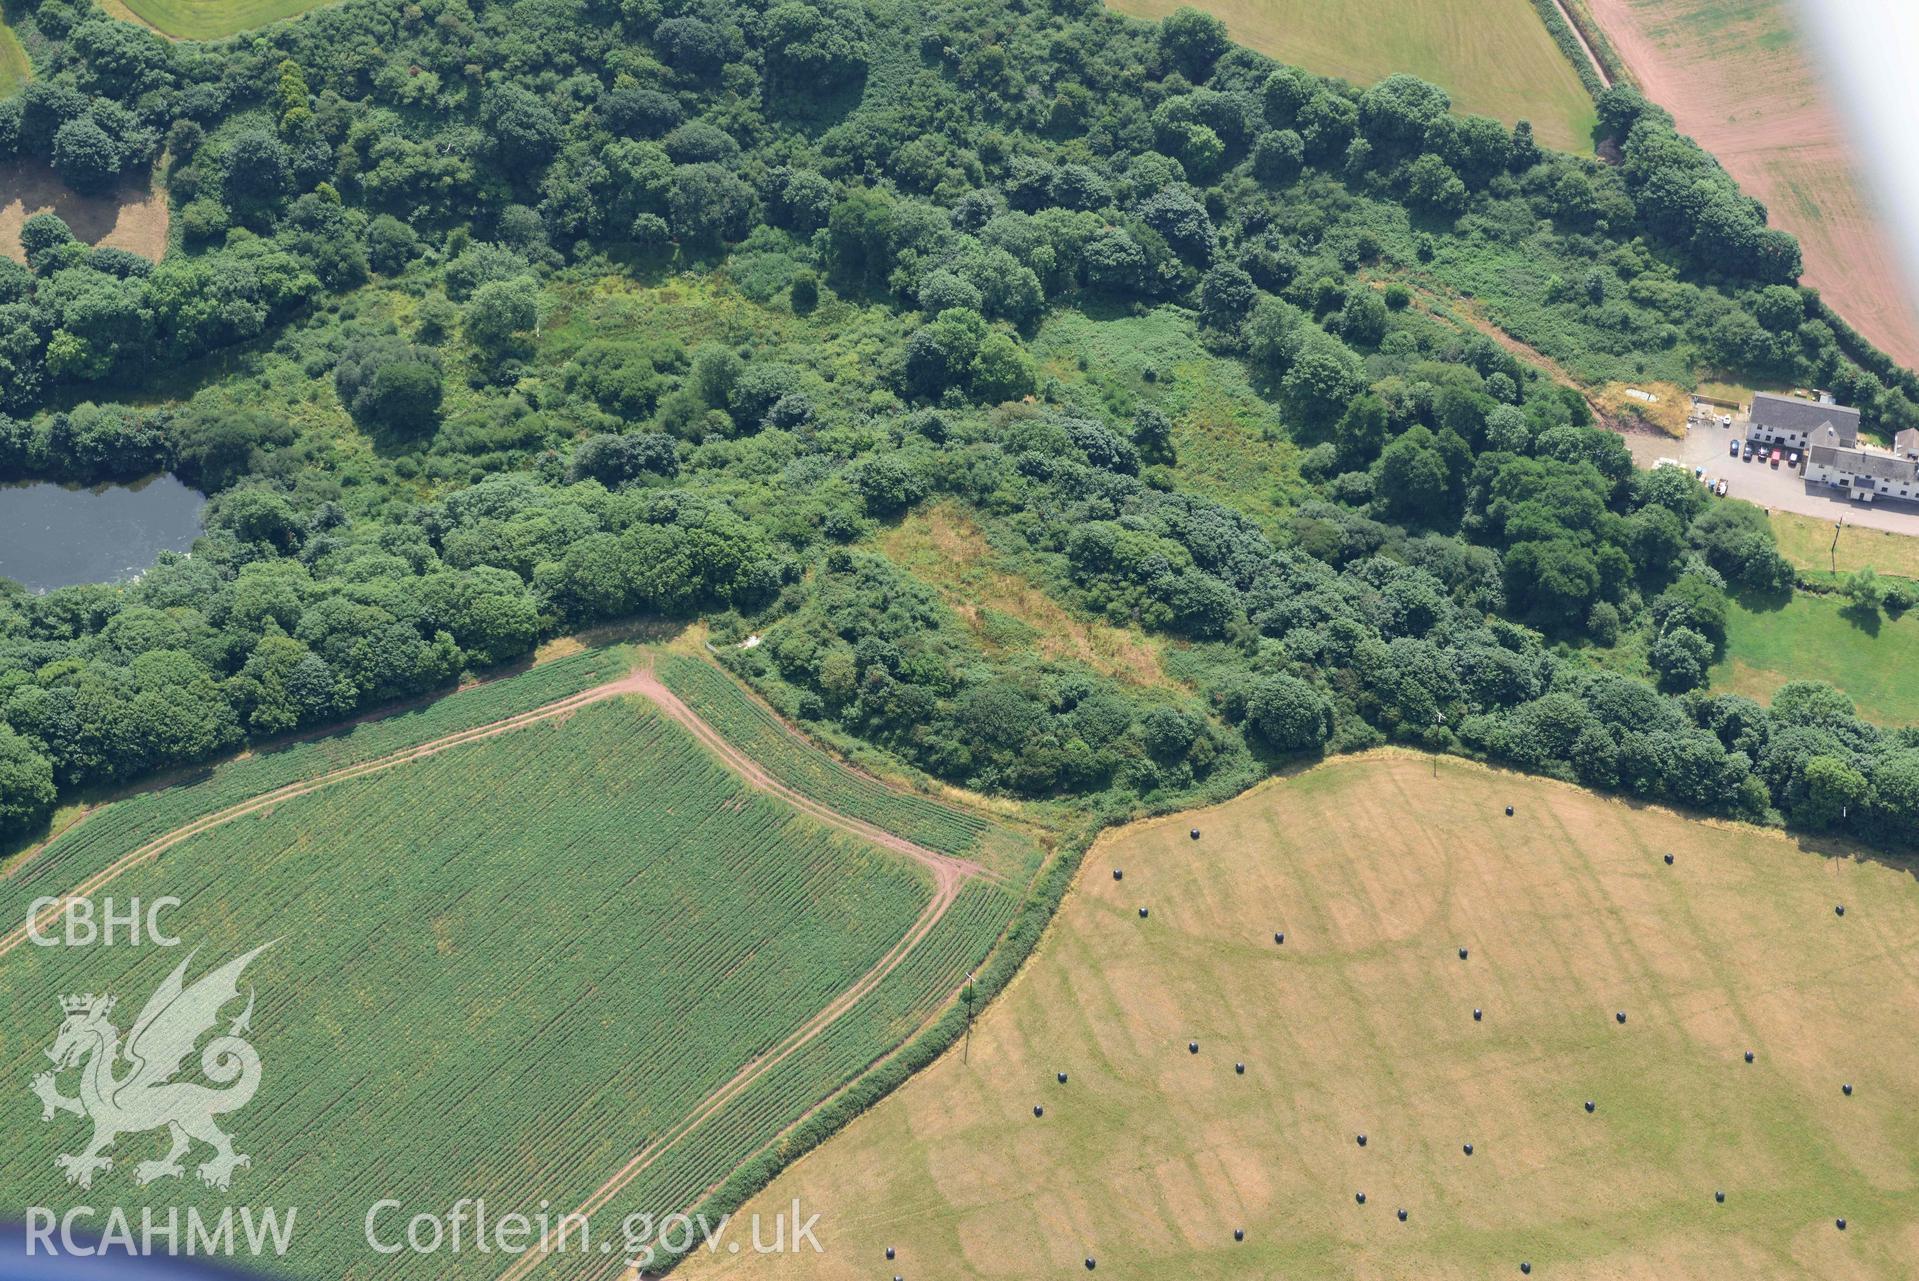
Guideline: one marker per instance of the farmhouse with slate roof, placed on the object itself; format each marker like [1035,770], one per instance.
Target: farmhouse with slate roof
[1863,476]
[1792,422]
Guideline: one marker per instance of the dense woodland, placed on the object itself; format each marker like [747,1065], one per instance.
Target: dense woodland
[839,229]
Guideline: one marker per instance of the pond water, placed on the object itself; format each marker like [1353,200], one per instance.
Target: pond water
[57,535]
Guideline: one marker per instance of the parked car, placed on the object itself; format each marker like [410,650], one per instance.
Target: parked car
[1725,420]
[1792,458]
[1749,452]
[1774,460]
[1735,449]
[1721,487]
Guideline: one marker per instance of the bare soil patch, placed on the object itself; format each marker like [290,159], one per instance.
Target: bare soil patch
[1740,80]
[132,217]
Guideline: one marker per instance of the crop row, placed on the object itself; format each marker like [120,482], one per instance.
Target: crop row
[807,769]
[126,824]
[501,970]
[929,976]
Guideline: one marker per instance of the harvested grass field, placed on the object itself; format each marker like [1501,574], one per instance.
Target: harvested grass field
[1806,541]
[133,217]
[209,19]
[573,959]
[1493,56]
[1739,77]
[1149,1157]
[1817,638]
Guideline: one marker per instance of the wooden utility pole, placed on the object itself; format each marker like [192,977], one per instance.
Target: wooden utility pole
[967,995]
[1835,544]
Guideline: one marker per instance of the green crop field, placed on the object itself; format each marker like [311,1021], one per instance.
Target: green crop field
[212,19]
[1818,638]
[502,970]
[146,814]
[1494,57]
[1378,869]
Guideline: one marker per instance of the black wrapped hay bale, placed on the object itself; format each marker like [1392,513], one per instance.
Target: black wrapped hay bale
[1194,833]
[1239,1069]
[1476,1014]
[1846,1089]
[1279,938]
[1192,1047]
[1719,1196]
[1509,811]
[1621,1016]
[1119,874]
[1062,1078]
[1142,913]
[1469,1149]
[1590,1105]
[1361,1140]
[1402,1214]
[1360,1197]
[1038,1110]
[1668,860]
[889,1252]
[1748,1056]
[1239,1234]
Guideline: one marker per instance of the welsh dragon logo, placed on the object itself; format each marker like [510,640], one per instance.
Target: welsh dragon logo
[142,1094]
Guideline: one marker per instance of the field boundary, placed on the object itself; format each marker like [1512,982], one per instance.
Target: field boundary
[1572,42]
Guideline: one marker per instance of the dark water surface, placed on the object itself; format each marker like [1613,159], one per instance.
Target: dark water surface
[57,535]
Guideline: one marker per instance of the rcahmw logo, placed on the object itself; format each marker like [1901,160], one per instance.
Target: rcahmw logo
[145,1096]
[169,1232]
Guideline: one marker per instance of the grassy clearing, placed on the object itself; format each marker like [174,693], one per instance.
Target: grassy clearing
[1817,638]
[1231,445]
[503,969]
[944,546]
[213,19]
[1807,542]
[1149,1157]
[15,70]
[1493,56]
[133,216]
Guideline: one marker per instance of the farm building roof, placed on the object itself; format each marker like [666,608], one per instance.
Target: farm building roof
[1860,463]
[1789,413]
